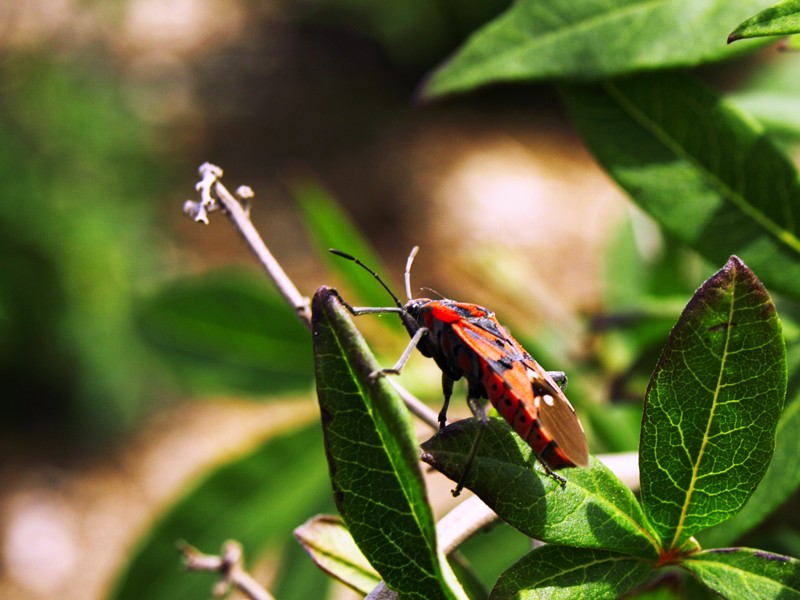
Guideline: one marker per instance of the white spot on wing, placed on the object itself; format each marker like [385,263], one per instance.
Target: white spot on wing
[548,399]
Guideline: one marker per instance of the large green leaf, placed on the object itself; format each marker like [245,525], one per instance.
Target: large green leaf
[257,499]
[591,39]
[704,170]
[746,573]
[781,19]
[79,174]
[225,331]
[562,573]
[373,459]
[594,510]
[713,404]
[783,475]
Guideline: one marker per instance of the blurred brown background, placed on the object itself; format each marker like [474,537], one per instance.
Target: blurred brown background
[107,110]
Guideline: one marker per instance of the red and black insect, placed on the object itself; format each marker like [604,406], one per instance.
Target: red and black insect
[466,340]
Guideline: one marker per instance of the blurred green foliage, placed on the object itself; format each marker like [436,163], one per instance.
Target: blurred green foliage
[227,331]
[78,177]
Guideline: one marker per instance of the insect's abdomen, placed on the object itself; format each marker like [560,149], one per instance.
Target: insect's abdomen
[522,414]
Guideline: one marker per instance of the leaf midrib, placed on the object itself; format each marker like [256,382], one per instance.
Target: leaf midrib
[613,509]
[554,36]
[738,572]
[718,387]
[782,235]
[583,567]
[411,505]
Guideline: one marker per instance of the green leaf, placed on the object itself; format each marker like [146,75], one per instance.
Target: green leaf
[257,499]
[373,459]
[746,573]
[713,404]
[591,39]
[783,475]
[781,19]
[561,573]
[594,510]
[704,170]
[332,548]
[228,331]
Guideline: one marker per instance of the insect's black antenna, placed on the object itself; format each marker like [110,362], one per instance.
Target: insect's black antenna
[407,274]
[370,271]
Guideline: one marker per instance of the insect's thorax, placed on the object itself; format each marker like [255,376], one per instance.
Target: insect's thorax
[445,341]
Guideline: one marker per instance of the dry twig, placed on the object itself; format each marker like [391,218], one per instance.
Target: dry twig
[230,567]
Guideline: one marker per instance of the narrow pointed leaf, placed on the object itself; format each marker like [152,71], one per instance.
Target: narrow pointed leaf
[562,573]
[704,170]
[712,407]
[329,227]
[332,548]
[591,39]
[781,19]
[746,573]
[373,459]
[595,510]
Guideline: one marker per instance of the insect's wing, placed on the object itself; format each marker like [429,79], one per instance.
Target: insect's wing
[554,411]
[563,441]
[499,351]
[557,416]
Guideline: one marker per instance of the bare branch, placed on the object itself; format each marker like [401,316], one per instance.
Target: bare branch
[466,519]
[215,196]
[382,592]
[229,566]
[418,408]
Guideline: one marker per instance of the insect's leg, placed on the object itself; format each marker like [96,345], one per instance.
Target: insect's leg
[552,474]
[481,413]
[366,310]
[395,370]
[447,388]
[560,378]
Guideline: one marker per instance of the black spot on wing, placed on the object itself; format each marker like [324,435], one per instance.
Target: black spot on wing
[504,363]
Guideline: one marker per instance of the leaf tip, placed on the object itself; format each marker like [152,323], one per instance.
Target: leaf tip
[426,92]
[323,299]
[736,263]
[734,36]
